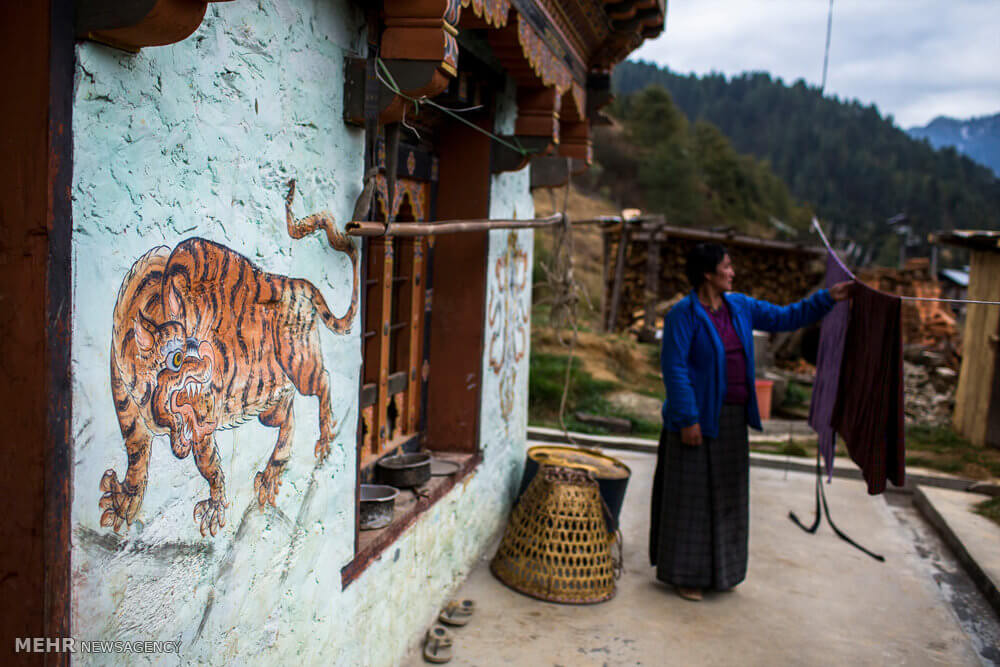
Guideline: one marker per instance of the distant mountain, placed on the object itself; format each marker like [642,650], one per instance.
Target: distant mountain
[979,138]
[841,158]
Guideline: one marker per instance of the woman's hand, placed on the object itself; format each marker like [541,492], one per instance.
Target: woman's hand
[691,435]
[841,291]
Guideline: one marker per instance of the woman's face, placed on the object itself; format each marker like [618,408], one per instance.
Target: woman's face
[722,279]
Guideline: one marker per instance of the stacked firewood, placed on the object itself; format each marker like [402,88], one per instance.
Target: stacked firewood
[778,275]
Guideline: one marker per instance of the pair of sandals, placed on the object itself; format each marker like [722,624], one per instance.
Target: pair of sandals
[437,644]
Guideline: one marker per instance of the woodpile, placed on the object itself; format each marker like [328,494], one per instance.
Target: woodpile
[646,277]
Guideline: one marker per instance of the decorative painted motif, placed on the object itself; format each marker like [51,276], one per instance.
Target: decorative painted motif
[415,191]
[449,63]
[205,340]
[452,12]
[509,340]
[494,12]
[543,62]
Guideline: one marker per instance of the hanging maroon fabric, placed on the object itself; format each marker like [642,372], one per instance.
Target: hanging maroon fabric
[868,412]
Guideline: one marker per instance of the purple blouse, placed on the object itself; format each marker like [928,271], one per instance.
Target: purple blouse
[736,363]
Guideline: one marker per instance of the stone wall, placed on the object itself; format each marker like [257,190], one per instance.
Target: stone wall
[199,140]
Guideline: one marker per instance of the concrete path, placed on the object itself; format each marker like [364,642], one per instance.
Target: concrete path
[974,539]
[808,599]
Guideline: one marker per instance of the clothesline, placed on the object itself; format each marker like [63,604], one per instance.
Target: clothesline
[830,249]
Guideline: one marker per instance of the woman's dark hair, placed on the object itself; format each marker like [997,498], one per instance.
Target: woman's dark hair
[703,258]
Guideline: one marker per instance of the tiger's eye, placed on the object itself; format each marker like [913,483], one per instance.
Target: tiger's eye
[177,359]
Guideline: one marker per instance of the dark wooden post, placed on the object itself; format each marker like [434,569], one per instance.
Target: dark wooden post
[652,287]
[616,287]
[35,319]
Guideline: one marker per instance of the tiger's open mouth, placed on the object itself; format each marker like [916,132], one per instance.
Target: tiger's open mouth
[193,403]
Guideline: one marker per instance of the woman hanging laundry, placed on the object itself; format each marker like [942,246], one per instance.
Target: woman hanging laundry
[700,508]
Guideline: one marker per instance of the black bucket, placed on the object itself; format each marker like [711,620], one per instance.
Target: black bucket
[611,474]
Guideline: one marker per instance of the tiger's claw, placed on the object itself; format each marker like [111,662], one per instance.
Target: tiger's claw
[120,501]
[211,514]
[267,483]
[322,449]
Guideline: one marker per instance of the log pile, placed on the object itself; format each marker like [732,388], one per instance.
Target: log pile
[651,276]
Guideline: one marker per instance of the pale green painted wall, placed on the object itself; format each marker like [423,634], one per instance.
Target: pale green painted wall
[199,139]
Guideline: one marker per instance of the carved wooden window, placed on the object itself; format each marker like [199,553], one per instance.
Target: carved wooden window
[397,307]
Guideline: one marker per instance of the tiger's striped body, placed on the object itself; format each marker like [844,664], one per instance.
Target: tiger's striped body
[204,340]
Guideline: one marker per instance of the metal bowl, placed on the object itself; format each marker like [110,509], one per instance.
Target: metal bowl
[377,504]
[405,470]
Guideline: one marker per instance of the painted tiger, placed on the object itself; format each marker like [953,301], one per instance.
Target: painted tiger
[204,340]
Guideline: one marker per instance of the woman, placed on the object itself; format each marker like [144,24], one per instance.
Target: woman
[700,511]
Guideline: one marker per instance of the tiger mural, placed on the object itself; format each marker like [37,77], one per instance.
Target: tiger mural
[204,340]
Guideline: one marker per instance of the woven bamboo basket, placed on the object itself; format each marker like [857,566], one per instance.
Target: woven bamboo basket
[556,546]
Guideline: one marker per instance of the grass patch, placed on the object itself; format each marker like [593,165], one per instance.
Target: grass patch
[794,449]
[989,509]
[797,394]
[941,448]
[939,439]
[546,381]
[545,386]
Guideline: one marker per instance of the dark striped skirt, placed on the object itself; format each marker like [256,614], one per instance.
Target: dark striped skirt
[700,508]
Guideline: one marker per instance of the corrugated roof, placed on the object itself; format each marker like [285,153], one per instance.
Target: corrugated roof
[955,276]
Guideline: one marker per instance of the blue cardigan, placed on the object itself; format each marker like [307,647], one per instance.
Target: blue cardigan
[694,362]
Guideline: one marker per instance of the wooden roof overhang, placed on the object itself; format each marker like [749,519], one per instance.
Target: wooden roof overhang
[559,53]
[654,228]
[985,240]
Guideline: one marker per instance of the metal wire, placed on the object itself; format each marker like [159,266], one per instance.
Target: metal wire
[830,249]
[391,85]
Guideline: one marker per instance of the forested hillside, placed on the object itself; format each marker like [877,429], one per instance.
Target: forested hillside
[854,167]
[652,158]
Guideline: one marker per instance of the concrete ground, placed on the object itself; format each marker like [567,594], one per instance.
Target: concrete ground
[807,600]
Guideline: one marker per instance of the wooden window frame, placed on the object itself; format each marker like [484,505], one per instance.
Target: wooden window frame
[454,329]
[394,347]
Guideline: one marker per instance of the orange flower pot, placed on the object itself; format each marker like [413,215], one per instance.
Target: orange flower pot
[764,388]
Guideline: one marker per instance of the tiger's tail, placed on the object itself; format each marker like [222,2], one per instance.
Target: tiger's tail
[298,228]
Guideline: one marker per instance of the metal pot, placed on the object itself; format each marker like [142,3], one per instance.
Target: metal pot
[377,504]
[405,470]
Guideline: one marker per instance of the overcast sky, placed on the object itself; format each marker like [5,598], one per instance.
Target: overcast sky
[915,59]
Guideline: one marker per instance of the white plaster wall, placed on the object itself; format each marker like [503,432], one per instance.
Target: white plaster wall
[200,139]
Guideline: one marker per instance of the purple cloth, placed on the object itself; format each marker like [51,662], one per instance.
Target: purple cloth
[736,363]
[833,331]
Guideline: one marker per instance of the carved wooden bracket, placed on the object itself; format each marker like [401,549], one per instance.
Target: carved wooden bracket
[538,113]
[133,24]
[503,158]
[419,49]
[576,142]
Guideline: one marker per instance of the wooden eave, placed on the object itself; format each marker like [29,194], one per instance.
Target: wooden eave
[984,240]
[559,53]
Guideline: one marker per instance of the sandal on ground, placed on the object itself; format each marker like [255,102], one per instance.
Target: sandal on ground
[693,594]
[437,645]
[457,612]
